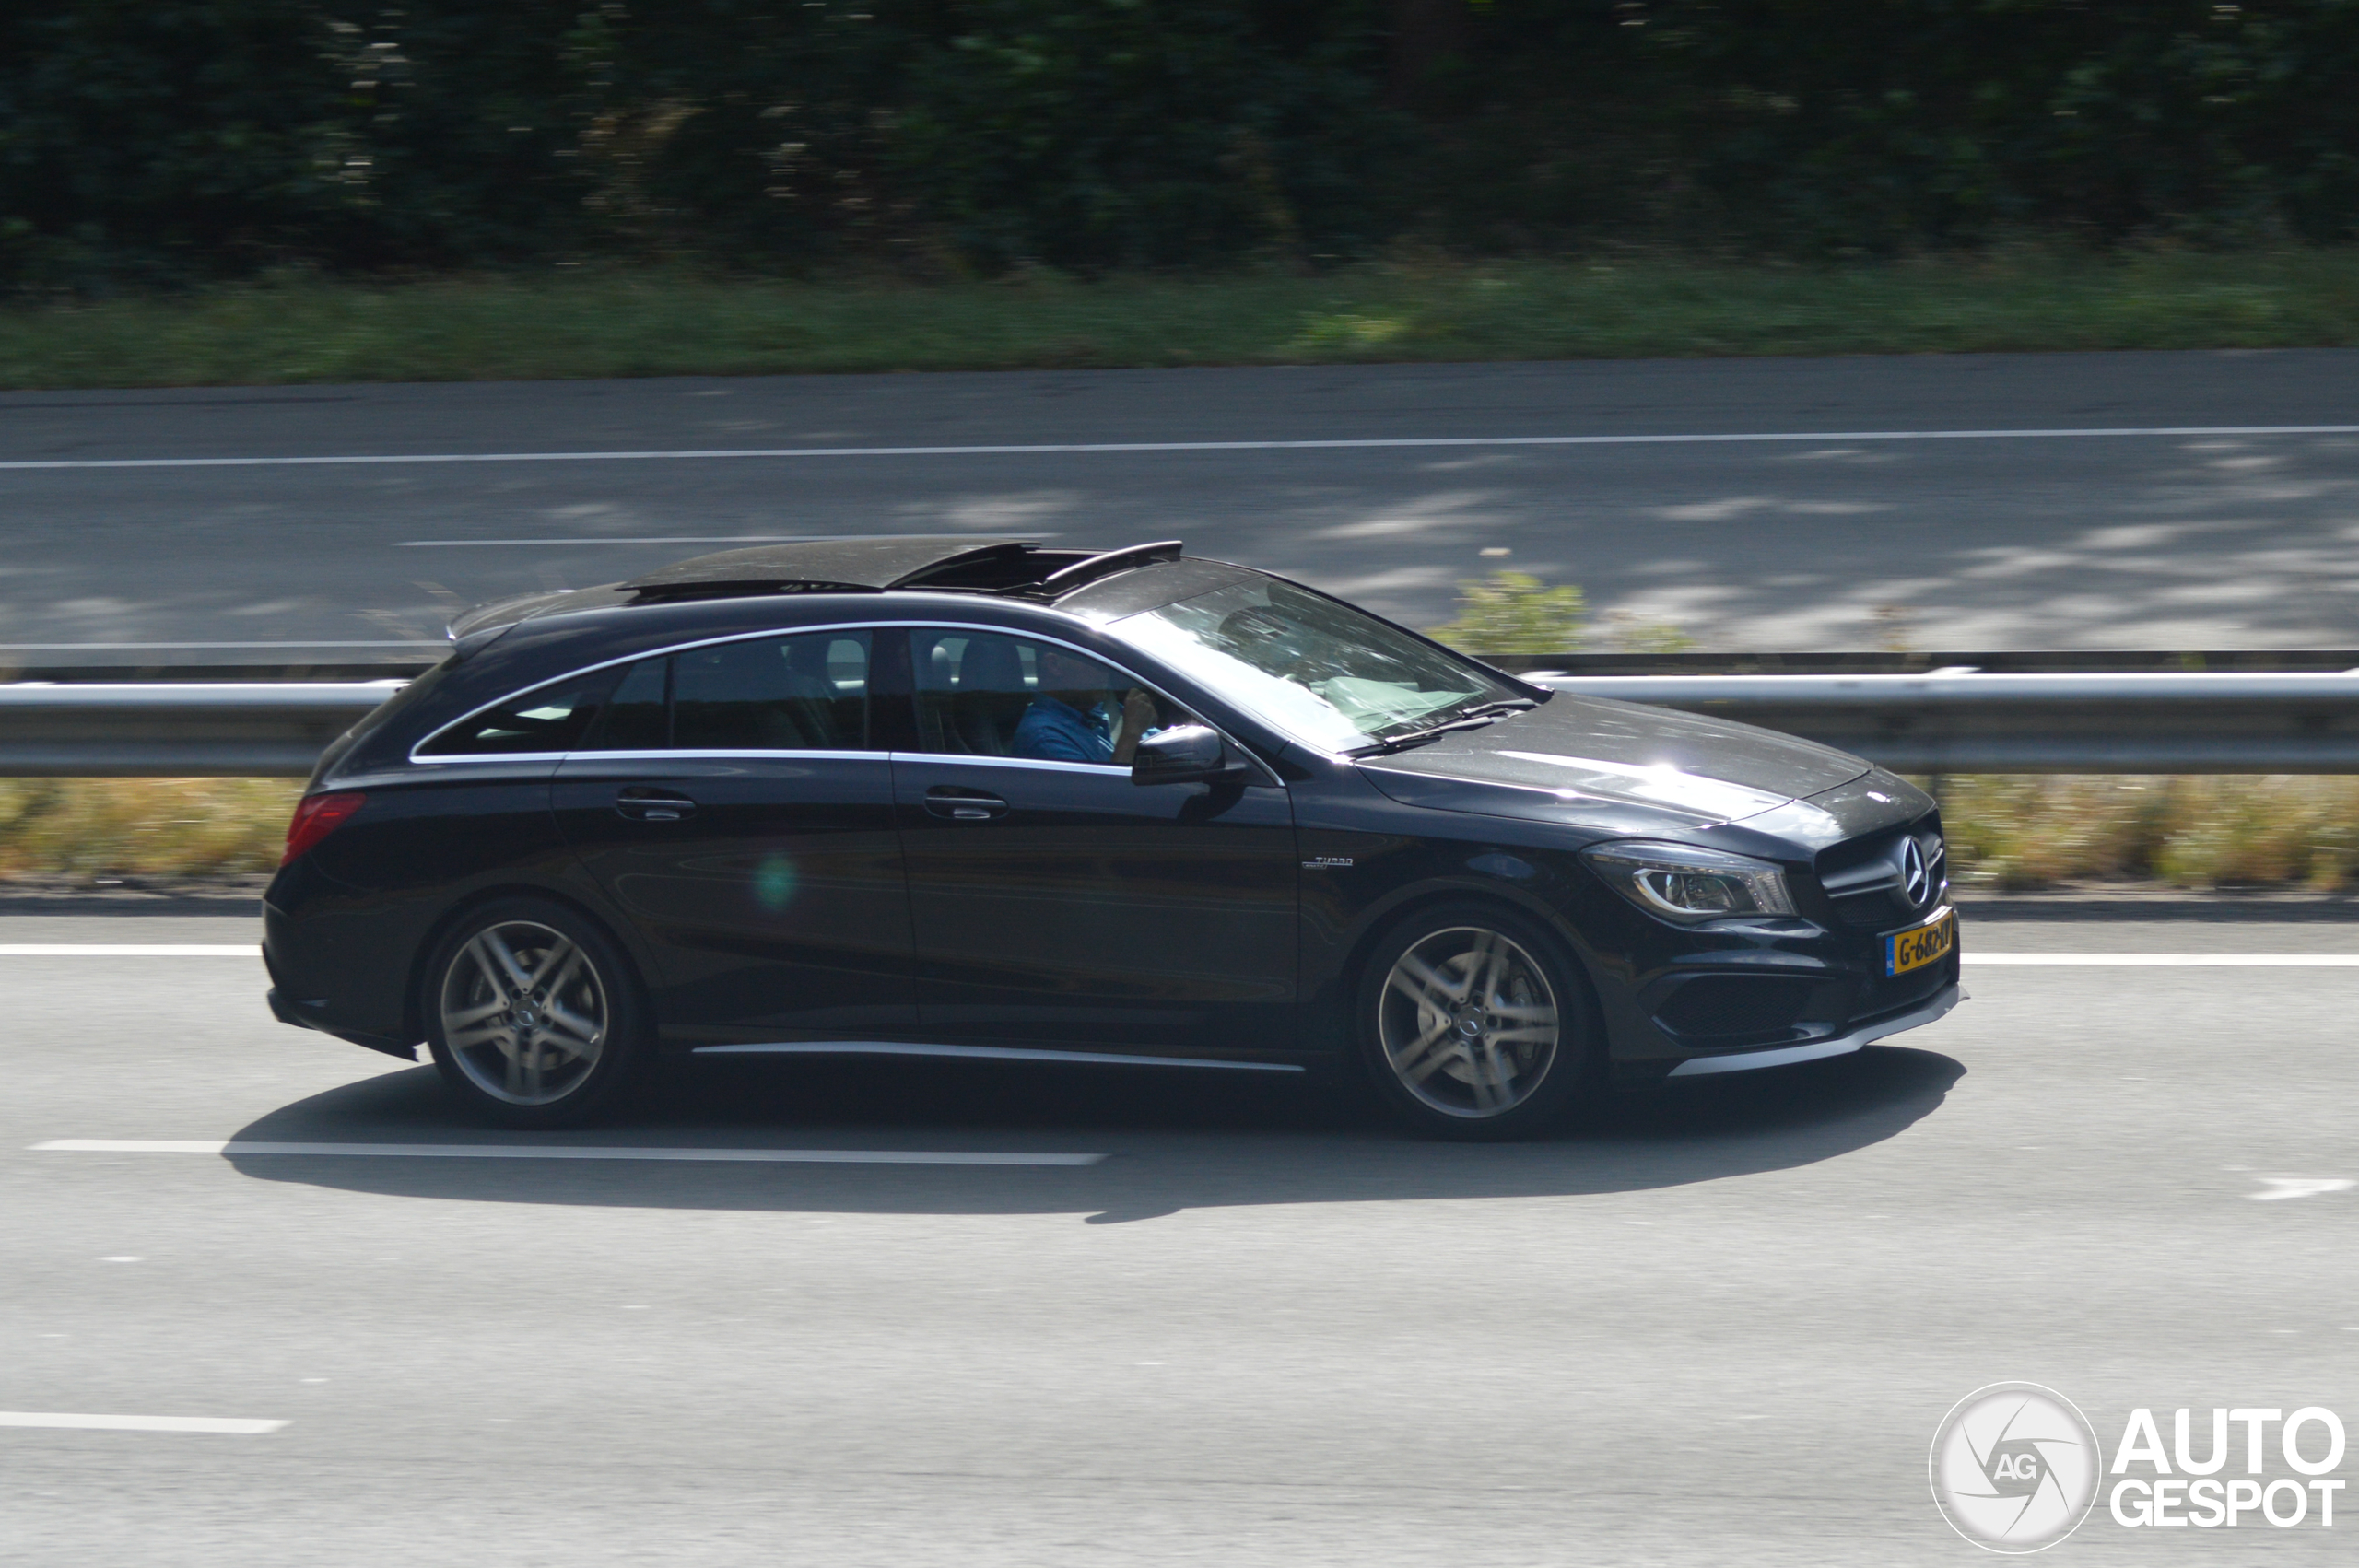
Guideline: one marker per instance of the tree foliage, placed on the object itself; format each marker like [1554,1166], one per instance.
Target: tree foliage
[184,138]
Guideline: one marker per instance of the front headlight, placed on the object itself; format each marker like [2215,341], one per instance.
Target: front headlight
[1691,885]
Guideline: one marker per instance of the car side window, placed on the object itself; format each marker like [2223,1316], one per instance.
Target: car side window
[547,718]
[989,693]
[806,693]
[639,716]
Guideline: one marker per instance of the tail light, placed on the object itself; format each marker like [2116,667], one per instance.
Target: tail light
[316,817]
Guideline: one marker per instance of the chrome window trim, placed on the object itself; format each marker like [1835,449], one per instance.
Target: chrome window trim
[1259,767]
[719,754]
[504,758]
[1054,764]
[609,664]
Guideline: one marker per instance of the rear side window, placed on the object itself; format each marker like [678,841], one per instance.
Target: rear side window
[552,717]
[639,716]
[806,693]
[774,693]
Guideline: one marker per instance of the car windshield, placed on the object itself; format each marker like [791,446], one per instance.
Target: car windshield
[1317,669]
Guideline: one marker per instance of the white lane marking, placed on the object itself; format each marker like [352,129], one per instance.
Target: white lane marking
[654,539]
[676,539]
[139,1423]
[2299,1187]
[2175,960]
[1334,444]
[238,1148]
[129,950]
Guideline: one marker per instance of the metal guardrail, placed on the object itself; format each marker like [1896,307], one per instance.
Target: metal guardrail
[1988,723]
[188,730]
[1930,724]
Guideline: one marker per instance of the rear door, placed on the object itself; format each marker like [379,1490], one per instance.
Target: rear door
[1058,903]
[736,803]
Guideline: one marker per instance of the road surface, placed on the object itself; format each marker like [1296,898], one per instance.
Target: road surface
[1754,504]
[1716,1327]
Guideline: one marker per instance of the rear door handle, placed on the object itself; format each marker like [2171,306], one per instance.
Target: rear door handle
[956,805]
[640,804]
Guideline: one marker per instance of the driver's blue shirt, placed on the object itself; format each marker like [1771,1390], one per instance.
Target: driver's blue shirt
[1051,731]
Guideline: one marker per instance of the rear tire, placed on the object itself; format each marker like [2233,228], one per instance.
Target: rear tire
[1472,1021]
[533,1015]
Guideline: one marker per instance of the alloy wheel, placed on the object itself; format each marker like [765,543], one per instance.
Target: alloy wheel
[525,1013]
[1467,1023]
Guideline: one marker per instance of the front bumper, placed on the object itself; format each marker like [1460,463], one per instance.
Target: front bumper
[1924,1013]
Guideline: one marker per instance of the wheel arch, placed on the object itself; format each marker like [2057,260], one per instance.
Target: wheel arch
[1382,919]
[413,985]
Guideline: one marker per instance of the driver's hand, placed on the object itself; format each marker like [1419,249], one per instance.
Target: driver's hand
[1138,712]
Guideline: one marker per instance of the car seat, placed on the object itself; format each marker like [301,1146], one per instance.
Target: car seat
[744,697]
[990,698]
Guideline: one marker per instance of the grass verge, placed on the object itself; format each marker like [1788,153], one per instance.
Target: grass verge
[2006,833]
[93,828]
[614,322]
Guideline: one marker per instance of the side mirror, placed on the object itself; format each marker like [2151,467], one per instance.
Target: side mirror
[1185,754]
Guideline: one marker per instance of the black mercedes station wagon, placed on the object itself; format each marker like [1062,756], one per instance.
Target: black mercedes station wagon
[981,799]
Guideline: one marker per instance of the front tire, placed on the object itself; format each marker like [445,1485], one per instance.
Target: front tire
[1474,1022]
[533,1015]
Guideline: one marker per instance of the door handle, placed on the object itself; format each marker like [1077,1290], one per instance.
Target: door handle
[654,805]
[955,804]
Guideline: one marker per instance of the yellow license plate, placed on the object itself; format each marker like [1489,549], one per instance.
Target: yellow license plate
[1921,945]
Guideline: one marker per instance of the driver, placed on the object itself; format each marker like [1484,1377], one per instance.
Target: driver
[1072,718]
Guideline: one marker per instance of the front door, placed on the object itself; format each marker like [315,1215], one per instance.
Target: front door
[1055,901]
[733,801]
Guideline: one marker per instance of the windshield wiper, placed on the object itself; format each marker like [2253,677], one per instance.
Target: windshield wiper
[1465,718]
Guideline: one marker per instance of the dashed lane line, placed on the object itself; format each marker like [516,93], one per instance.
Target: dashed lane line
[235,1148]
[235,1426]
[129,950]
[2174,960]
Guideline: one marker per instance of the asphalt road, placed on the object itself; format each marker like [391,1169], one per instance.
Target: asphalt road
[1714,1328]
[2195,536]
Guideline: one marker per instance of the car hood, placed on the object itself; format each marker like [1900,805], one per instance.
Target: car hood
[1618,765]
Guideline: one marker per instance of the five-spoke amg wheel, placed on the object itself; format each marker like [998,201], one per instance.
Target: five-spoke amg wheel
[1474,1022]
[532,1014]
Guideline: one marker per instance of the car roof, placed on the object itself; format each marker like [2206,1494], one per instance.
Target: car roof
[945,563]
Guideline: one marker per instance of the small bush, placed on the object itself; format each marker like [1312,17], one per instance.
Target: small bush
[1513,614]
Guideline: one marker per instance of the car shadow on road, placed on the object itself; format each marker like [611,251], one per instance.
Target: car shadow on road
[1174,1141]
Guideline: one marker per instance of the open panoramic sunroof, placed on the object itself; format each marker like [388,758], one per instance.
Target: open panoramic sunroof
[872,565]
[954,562]
[858,565]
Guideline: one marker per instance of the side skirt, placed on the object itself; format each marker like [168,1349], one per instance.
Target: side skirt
[984,1053]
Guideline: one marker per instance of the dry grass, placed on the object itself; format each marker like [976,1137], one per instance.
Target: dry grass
[143,828]
[2029,831]
[2007,832]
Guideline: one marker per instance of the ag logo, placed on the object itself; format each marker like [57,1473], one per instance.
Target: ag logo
[2014,1468]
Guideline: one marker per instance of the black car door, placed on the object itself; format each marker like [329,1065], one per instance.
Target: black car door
[736,803]
[1055,901]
